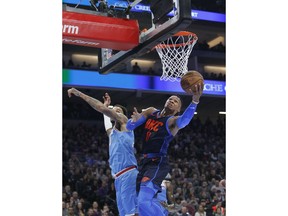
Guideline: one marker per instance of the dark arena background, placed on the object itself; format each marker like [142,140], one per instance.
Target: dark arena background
[131,75]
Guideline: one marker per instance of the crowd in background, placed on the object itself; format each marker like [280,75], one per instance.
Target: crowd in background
[197,157]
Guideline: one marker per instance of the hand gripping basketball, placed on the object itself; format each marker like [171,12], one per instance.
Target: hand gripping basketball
[192,82]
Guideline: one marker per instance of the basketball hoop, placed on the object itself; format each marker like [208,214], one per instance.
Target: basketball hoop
[174,54]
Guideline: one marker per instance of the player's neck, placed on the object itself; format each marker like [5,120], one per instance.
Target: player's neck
[166,112]
[117,126]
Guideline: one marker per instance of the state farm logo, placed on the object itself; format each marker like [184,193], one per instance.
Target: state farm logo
[70,29]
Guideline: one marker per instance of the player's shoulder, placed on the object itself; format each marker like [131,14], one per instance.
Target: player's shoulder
[149,109]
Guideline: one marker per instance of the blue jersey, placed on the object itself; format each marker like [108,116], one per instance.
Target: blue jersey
[157,134]
[121,150]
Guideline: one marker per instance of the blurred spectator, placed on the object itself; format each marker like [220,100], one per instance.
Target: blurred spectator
[64,197]
[106,211]
[219,196]
[136,69]
[67,190]
[150,71]
[85,65]
[204,187]
[200,211]
[220,76]
[70,63]
[102,192]
[71,211]
[189,207]
[195,180]
[215,187]
[179,193]
[90,212]
[86,204]
[184,211]
[203,204]
[79,209]
[75,197]
[111,11]
[219,212]
[103,7]
[64,209]
[213,174]
[95,209]
[218,206]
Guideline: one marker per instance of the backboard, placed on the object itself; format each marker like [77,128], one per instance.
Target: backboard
[167,18]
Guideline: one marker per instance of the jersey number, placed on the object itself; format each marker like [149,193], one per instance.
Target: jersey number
[148,134]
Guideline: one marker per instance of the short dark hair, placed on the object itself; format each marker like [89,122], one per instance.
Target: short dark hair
[125,112]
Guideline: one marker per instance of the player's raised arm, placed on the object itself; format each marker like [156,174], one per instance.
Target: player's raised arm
[97,105]
[184,119]
[138,119]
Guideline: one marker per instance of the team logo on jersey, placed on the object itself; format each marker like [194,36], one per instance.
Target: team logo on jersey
[153,125]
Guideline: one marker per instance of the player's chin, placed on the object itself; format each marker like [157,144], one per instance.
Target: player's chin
[169,107]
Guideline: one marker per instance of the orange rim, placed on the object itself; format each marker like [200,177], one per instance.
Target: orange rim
[180,33]
[184,33]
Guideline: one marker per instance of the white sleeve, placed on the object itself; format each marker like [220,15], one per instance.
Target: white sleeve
[107,122]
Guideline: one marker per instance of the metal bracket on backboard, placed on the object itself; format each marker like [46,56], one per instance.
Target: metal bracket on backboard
[148,40]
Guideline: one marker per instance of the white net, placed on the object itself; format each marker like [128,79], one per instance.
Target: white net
[174,54]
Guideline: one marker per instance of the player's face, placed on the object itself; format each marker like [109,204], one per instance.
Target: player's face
[118,110]
[173,103]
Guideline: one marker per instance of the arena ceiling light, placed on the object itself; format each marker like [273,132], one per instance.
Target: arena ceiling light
[83,57]
[216,41]
[214,69]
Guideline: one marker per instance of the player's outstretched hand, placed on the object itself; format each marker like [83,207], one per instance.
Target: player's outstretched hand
[73,91]
[197,93]
[136,115]
[107,99]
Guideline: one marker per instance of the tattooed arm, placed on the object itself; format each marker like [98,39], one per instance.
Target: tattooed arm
[98,105]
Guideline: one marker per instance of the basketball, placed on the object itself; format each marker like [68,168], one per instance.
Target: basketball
[190,79]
